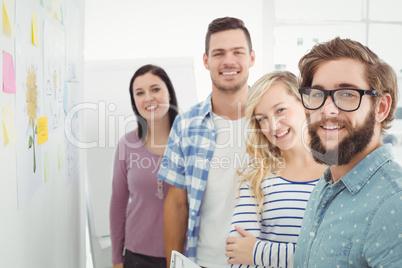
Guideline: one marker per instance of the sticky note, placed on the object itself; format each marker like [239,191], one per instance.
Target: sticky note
[42,130]
[57,10]
[8,74]
[34,26]
[6,22]
[46,166]
[9,130]
[5,135]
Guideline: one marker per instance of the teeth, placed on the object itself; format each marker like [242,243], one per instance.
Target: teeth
[152,107]
[229,73]
[283,133]
[331,127]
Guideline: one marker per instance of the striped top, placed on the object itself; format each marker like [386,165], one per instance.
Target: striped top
[277,226]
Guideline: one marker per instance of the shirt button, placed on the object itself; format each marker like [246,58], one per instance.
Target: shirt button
[193,213]
[312,234]
[200,187]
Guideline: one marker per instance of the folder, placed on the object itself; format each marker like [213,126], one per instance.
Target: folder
[178,260]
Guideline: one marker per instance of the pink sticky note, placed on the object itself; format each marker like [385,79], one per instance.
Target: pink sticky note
[8,74]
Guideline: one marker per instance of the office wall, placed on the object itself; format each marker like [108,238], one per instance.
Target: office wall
[123,29]
[42,206]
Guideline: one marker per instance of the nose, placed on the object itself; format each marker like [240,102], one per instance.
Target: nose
[229,59]
[275,123]
[149,96]
[329,108]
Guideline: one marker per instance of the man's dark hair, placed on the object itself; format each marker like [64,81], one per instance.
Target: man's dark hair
[224,24]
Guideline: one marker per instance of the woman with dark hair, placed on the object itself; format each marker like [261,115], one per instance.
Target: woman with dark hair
[136,208]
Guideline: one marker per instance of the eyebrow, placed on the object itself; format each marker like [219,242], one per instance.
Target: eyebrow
[231,49]
[273,107]
[140,88]
[278,104]
[341,85]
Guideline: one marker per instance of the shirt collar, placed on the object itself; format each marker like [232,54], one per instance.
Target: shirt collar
[206,106]
[358,176]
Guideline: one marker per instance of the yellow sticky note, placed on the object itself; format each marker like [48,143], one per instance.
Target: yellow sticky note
[9,130]
[42,130]
[6,140]
[57,9]
[6,22]
[46,166]
[34,26]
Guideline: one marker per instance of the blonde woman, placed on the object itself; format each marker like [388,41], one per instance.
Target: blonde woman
[276,184]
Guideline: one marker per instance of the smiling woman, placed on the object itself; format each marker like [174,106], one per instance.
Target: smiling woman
[276,184]
[136,208]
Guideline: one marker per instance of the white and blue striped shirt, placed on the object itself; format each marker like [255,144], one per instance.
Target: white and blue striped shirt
[277,226]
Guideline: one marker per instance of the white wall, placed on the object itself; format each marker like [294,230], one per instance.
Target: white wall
[126,29]
[49,230]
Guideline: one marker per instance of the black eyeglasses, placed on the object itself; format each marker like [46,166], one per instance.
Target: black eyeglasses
[345,99]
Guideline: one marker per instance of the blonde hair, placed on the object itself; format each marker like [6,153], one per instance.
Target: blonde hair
[266,158]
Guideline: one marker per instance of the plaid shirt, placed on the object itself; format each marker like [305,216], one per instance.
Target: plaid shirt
[186,161]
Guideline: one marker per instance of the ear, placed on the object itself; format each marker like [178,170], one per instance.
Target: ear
[252,58]
[383,108]
[205,60]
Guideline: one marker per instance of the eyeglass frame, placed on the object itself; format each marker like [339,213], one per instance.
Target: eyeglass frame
[331,93]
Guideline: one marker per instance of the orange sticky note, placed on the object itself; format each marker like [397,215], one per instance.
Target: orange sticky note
[42,130]
[34,26]
[8,74]
[6,22]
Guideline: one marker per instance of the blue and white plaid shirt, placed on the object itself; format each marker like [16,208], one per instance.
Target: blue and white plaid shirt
[186,161]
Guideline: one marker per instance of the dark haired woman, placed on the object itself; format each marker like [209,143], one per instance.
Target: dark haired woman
[136,208]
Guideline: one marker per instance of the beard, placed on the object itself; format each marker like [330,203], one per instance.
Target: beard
[358,139]
[232,89]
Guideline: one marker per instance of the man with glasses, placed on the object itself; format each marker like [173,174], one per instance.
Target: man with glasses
[354,214]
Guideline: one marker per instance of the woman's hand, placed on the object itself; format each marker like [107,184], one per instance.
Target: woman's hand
[239,250]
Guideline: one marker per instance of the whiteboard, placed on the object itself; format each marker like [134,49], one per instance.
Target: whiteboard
[108,115]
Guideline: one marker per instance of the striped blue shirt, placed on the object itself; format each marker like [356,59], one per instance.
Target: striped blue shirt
[186,162]
[278,225]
